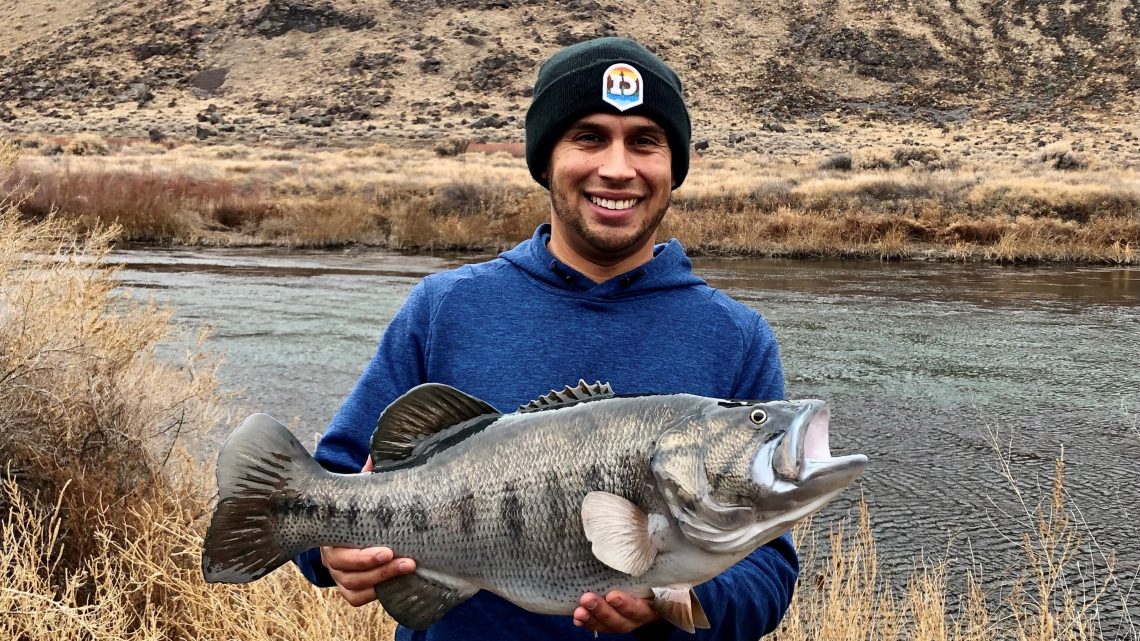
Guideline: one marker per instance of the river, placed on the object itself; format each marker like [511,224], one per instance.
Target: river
[926,366]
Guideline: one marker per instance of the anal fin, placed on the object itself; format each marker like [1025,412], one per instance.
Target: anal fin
[421,598]
[680,607]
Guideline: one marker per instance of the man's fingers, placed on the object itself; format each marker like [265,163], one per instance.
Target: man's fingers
[354,581]
[368,465]
[631,607]
[357,598]
[596,614]
[354,559]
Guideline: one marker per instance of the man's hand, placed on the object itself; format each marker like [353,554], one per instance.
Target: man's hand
[357,570]
[618,612]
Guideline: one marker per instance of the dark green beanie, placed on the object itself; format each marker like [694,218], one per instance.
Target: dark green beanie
[578,81]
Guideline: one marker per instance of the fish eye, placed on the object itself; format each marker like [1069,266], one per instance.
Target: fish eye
[758,416]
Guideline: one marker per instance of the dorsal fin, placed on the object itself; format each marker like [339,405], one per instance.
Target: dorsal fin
[426,419]
[569,396]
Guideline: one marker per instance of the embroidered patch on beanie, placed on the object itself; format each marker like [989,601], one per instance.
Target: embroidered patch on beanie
[622,86]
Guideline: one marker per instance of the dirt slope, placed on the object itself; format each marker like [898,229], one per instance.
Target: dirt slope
[345,70]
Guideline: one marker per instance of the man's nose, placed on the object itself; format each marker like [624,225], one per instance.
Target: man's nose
[616,164]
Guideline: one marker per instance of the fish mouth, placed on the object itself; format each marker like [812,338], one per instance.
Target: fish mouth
[803,455]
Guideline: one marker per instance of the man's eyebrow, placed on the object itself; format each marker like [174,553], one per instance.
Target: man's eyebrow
[649,129]
[587,125]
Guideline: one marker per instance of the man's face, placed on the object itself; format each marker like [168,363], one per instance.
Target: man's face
[610,179]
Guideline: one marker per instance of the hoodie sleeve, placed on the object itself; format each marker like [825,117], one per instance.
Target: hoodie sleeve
[398,365]
[749,599]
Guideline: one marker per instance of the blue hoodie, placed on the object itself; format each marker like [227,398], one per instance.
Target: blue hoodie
[518,326]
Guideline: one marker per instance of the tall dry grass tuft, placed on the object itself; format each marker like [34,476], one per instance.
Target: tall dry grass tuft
[101,512]
[1053,596]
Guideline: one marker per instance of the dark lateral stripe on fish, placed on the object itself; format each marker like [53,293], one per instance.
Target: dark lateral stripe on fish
[511,511]
[465,508]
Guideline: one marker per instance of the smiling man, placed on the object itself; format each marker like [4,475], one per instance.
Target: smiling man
[589,296]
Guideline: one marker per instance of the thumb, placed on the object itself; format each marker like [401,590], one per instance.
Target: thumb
[368,466]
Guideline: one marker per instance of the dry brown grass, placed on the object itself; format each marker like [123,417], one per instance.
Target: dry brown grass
[895,203]
[101,514]
[843,596]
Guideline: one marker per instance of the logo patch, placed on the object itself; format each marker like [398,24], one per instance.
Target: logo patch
[622,86]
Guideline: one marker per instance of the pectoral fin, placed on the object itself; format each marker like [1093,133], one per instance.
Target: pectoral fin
[421,598]
[681,607]
[619,531]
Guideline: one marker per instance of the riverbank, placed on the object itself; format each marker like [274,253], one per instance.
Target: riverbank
[895,200]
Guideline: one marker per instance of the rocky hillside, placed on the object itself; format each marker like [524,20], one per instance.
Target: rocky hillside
[426,69]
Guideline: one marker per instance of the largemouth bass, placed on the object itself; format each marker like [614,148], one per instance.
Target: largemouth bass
[578,491]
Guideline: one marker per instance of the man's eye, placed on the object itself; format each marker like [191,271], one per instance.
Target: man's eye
[647,141]
[587,137]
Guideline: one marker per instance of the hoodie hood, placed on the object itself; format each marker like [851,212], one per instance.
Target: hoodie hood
[669,268]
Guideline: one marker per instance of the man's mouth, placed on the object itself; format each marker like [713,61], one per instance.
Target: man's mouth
[617,205]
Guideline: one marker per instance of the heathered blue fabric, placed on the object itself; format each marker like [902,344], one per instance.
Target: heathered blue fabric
[515,327]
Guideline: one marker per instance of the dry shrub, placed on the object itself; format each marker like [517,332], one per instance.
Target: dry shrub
[33,141]
[83,401]
[466,199]
[230,152]
[470,199]
[101,512]
[1061,156]
[985,231]
[146,206]
[324,222]
[465,216]
[87,145]
[1045,197]
[874,159]
[375,150]
[837,162]
[243,214]
[926,158]
[146,584]
[451,147]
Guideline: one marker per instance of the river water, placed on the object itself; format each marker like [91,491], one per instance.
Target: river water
[926,366]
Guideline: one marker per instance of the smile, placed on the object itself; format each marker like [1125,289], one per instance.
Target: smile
[606,203]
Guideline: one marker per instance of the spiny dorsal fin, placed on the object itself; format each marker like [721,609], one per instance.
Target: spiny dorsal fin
[426,419]
[569,396]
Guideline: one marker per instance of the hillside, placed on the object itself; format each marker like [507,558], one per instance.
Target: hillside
[350,71]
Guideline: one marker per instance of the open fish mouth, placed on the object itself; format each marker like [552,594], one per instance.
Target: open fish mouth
[803,456]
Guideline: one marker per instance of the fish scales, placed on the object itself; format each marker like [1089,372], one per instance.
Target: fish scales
[537,506]
[504,467]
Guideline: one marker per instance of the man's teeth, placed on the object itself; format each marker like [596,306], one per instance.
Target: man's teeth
[606,203]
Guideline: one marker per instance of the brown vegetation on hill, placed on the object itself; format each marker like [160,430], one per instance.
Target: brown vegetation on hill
[891,203]
[347,71]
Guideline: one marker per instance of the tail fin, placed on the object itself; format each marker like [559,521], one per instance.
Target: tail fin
[260,464]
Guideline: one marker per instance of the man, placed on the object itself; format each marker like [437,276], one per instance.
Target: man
[589,296]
